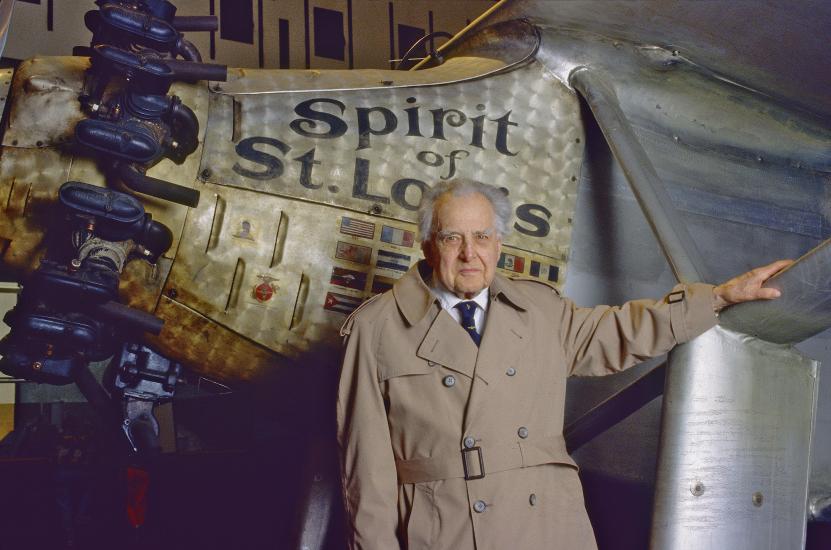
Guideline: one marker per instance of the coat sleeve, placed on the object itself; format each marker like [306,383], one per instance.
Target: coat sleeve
[605,339]
[368,476]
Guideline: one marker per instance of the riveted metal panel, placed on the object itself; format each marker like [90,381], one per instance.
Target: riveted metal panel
[38,157]
[737,429]
[294,231]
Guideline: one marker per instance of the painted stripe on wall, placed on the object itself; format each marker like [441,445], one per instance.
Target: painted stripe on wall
[283,43]
[306,39]
[330,42]
[236,20]
[391,12]
[430,30]
[260,38]
[212,10]
[349,23]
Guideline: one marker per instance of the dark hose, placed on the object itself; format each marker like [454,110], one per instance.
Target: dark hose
[186,127]
[196,23]
[166,190]
[187,50]
[135,318]
[187,70]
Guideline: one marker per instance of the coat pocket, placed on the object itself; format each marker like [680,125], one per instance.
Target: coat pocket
[404,366]
[422,524]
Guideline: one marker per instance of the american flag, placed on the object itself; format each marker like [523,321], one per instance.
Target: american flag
[358,228]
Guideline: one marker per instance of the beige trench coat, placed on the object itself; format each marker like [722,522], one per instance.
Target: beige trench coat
[415,392]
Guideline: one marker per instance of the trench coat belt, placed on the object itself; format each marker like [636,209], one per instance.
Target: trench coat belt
[496,458]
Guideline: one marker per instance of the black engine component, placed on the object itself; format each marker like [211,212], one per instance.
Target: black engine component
[114,217]
[135,45]
[148,24]
[68,314]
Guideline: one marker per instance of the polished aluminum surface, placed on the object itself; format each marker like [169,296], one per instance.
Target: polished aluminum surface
[672,235]
[777,48]
[804,308]
[736,438]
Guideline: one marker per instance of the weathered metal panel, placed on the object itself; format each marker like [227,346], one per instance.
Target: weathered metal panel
[295,228]
[736,440]
[38,157]
[46,106]
[310,197]
[671,232]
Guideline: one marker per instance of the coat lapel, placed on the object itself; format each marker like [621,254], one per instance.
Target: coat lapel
[447,344]
[445,341]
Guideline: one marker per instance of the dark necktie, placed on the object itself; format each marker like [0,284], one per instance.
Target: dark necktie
[468,310]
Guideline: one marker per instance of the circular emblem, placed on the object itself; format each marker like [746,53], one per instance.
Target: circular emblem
[263,292]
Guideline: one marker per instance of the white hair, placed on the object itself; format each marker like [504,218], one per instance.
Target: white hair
[461,187]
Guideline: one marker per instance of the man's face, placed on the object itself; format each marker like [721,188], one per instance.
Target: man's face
[464,248]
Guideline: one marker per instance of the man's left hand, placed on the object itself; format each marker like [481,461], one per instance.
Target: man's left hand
[748,286]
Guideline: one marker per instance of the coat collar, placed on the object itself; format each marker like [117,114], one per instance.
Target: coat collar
[414,298]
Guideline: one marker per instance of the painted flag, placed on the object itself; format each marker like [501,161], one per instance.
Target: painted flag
[545,271]
[358,228]
[348,278]
[341,303]
[353,253]
[400,237]
[381,284]
[511,263]
[393,260]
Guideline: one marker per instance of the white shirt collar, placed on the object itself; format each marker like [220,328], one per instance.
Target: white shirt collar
[448,300]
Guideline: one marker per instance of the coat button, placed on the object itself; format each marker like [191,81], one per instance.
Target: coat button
[449,381]
[511,371]
[469,442]
[479,506]
[532,500]
[522,432]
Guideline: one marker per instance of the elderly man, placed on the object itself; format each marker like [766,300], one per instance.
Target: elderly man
[450,405]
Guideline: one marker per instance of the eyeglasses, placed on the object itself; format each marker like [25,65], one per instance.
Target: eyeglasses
[455,240]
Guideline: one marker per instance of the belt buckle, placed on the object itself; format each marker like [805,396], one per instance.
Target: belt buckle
[478,450]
